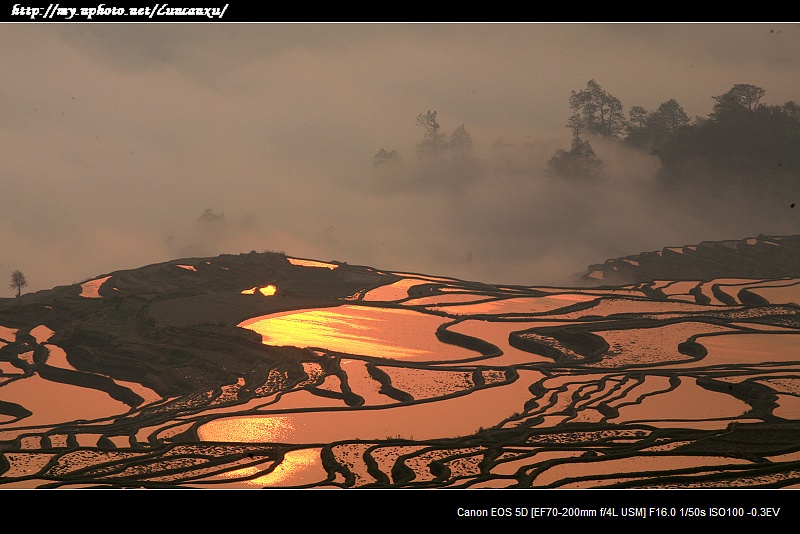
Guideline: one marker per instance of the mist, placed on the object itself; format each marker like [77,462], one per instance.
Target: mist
[118,138]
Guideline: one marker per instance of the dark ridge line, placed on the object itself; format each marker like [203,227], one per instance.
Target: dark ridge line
[196,422]
[673,476]
[674,382]
[389,444]
[761,398]
[748,298]
[383,378]
[617,393]
[735,472]
[723,297]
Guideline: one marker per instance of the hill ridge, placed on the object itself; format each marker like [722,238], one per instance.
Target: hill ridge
[762,256]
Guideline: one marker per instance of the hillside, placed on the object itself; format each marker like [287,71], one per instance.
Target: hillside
[758,257]
[187,374]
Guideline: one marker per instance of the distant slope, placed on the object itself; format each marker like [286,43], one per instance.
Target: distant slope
[759,257]
[172,326]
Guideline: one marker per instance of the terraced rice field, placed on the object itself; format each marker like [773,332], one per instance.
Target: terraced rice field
[402,380]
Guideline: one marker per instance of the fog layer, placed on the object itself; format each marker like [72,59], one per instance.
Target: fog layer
[132,144]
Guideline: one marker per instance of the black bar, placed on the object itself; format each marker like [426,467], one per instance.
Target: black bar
[426,509]
[128,11]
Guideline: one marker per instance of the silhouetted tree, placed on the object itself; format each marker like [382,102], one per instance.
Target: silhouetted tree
[596,111]
[792,109]
[18,281]
[433,141]
[653,129]
[638,117]
[383,157]
[742,97]
[461,141]
[578,162]
[668,117]
[208,216]
[742,143]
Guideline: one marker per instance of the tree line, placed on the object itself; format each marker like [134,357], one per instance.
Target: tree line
[18,281]
[434,142]
[741,138]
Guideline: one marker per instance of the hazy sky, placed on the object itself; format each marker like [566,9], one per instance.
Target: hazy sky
[116,138]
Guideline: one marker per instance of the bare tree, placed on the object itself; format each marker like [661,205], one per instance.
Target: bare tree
[18,281]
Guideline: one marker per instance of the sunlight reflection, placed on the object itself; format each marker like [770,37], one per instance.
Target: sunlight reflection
[90,289]
[395,291]
[353,329]
[298,467]
[250,430]
[425,420]
[267,291]
[312,263]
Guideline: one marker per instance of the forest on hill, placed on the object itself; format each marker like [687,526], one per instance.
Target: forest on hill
[739,162]
[741,140]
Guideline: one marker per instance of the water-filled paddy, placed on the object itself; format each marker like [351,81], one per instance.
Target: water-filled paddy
[481,408]
[477,386]
[91,289]
[370,331]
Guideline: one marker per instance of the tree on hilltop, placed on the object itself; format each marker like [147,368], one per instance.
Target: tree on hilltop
[596,111]
[742,97]
[654,129]
[18,282]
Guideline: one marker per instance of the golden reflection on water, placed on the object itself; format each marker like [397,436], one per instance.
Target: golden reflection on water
[446,418]
[267,291]
[55,403]
[298,467]
[312,263]
[248,429]
[395,291]
[353,329]
[91,289]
